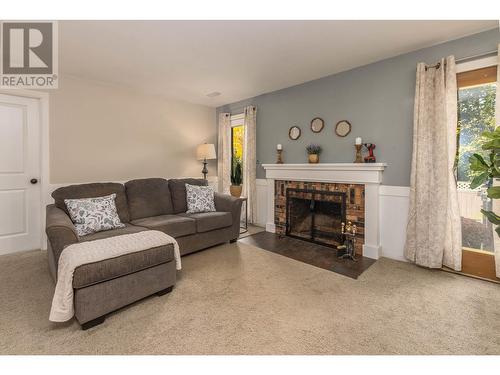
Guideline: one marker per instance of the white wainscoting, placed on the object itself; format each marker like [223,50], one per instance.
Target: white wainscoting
[394,201]
[261,202]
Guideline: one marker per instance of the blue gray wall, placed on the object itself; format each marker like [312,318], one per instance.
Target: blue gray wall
[377,99]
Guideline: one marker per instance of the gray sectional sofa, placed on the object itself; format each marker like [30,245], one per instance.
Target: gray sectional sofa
[153,203]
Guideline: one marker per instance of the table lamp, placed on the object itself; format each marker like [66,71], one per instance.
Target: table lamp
[205,151]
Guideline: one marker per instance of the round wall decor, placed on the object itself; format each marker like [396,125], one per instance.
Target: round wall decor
[294,133]
[343,128]
[317,124]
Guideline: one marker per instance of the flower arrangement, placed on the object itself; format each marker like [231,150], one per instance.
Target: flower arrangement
[313,149]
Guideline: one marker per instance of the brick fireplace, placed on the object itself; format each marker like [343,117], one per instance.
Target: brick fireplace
[314,211]
[320,196]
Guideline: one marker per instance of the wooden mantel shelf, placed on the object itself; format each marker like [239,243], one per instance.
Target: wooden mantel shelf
[361,173]
[330,166]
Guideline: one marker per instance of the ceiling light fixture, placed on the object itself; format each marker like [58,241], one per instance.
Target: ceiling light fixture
[213,94]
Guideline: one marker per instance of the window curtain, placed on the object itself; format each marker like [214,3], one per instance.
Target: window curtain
[249,162]
[224,153]
[496,204]
[433,237]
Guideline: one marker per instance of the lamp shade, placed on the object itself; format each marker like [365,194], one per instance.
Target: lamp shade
[206,151]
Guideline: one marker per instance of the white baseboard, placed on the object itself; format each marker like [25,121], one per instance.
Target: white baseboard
[270,227]
[373,252]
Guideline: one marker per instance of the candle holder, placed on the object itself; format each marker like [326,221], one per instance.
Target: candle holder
[279,159]
[359,157]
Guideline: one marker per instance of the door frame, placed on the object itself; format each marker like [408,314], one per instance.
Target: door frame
[478,265]
[43,99]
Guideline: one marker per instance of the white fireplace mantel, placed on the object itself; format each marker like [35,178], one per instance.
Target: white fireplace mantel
[368,174]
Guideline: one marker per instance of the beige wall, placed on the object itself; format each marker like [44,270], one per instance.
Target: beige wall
[100,132]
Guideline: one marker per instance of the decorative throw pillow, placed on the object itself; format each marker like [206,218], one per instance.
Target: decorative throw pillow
[199,199]
[92,215]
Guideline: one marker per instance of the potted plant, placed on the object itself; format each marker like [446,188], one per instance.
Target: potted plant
[313,150]
[487,171]
[236,178]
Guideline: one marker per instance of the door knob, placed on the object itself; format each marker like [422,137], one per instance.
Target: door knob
[33,181]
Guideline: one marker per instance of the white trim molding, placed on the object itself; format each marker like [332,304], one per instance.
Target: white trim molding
[353,173]
[44,178]
[394,191]
[394,204]
[477,64]
[369,174]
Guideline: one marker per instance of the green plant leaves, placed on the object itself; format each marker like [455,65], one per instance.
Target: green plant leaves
[479,180]
[491,216]
[494,192]
[236,172]
[488,170]
[477,163]
[492,144]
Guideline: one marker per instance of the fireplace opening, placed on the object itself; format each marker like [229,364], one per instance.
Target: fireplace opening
[315,215]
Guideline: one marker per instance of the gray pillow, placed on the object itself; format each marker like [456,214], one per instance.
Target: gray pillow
[92,215]
[199,199]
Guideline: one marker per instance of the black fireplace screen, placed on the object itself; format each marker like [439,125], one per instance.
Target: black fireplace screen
[315,215]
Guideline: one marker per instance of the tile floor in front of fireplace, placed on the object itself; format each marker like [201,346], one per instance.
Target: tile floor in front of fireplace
[310,253]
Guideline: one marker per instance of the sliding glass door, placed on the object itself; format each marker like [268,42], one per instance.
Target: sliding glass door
[476,114]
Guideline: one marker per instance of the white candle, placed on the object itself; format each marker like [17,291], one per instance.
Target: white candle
[279,147]
[358,140]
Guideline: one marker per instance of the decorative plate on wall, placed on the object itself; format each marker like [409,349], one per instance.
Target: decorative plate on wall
[343,128]
[294,133]
[317,124]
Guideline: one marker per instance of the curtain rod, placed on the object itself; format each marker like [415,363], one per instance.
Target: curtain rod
[484,54]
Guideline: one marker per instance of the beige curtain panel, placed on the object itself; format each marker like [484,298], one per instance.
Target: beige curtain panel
[433,237]
[249,162]
[497,123]
[224,153]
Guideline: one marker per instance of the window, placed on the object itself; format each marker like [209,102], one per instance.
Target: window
[237,130]
[476,114]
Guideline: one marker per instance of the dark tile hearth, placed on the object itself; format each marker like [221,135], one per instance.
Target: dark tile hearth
[310,253]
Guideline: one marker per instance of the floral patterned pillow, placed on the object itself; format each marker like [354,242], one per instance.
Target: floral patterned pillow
[199,199]
[92,215]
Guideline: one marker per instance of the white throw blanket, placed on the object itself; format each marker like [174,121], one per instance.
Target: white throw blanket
[81,253]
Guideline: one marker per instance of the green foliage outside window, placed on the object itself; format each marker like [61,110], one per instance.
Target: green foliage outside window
[476,114]
[237,154]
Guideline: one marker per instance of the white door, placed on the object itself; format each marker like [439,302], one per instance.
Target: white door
[20,195]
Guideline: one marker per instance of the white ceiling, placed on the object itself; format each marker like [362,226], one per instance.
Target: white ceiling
[240,59]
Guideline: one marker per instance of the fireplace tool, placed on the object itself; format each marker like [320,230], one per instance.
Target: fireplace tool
[349,233]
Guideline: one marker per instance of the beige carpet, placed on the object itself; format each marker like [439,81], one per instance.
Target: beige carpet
[238,299]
